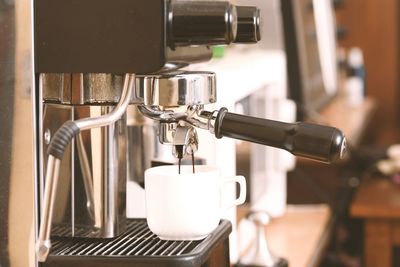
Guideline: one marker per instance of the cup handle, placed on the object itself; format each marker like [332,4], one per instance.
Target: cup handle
[242,194]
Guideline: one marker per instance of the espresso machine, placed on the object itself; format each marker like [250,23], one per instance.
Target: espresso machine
[88,90]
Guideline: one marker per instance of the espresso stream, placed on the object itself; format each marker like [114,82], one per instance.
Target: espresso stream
[179,149]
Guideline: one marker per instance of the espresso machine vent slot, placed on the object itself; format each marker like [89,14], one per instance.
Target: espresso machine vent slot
[136,246]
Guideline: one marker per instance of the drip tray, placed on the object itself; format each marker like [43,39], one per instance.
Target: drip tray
[138,246]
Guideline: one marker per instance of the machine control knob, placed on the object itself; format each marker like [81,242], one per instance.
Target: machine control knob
[201,23]
[248,28]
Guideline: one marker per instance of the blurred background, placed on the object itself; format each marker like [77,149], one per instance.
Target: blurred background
[342,69]
[374,27]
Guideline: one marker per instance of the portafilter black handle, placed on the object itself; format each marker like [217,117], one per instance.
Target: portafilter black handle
[317,142]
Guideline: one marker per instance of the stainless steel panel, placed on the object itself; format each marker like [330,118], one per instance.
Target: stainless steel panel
[91,191]
[17,136]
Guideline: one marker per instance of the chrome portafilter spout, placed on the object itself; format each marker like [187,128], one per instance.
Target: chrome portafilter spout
[183,138]
[185,141]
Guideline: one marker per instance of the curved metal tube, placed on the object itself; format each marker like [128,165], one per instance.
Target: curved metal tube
[118,111]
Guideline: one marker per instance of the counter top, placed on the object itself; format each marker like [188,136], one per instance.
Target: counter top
[377,202]
[301,236]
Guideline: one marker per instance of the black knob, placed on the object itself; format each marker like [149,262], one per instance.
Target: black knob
[201,23]
[248,28]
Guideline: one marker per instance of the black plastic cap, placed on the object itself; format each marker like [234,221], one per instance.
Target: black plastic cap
[338,147]
[201,23]
[318,142]
[62,138]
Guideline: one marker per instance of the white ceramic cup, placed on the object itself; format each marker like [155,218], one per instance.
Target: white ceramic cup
[187,206]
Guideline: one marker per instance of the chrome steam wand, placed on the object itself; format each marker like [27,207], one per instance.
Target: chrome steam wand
[56,150]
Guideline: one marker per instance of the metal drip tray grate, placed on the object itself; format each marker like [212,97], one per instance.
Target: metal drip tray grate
[138,240]
[66,230]
[137,245]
